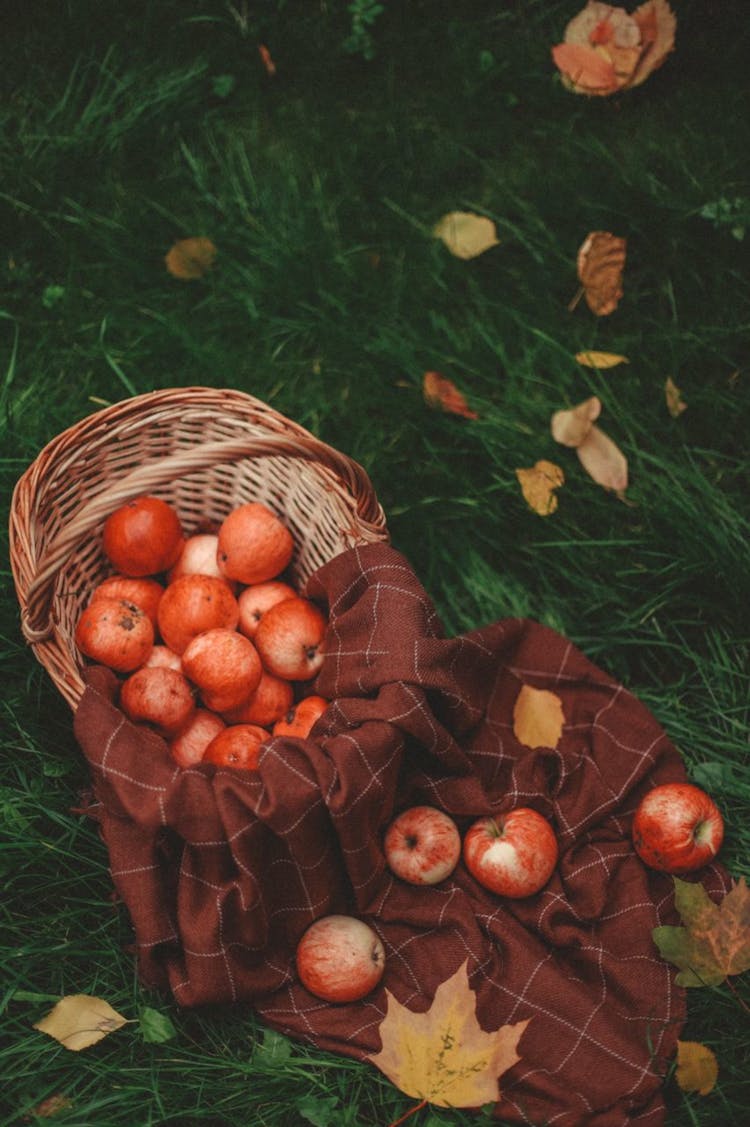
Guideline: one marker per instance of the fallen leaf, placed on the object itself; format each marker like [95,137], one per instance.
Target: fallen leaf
[601,360]
[442,393]
[443,1056]
[465,234]
[605,49]
[715,941]
[603,461]
[538,484]
[53,1105]
[658,25]
[600,263]
[80,1020]
[673,395]
[265,58]
[697,1067]
[571,427]
[189,259]
[538,717]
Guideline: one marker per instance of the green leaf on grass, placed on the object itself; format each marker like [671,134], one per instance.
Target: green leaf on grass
[155,1027]
[274,1048]
[321,1111]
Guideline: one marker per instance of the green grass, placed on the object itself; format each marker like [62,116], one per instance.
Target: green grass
[329,300]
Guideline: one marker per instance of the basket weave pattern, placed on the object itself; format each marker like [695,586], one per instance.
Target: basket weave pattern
[203,450]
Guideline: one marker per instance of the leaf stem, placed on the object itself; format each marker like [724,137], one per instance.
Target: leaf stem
[411,1111]
[740,1001]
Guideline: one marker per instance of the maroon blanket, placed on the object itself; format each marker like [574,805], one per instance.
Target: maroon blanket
[222,870]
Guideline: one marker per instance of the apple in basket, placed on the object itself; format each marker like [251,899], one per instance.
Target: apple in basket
[289,639]
[340,959]
[677,828]
[422,845]
[513,854]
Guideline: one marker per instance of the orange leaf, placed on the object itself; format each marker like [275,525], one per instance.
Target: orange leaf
[440,392]
[605,49]
[265,57]
[571,427]
[600,263]
[443,1056]
[190,258]
[697,1067]
[538,717]
[585,70]
[675,404]
[538,484]
[658,24]
[604,461]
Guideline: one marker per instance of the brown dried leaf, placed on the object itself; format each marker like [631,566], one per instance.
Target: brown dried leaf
[465,234]
[265,57]
[443,394]
[600,263]
[53,1105]
[604,461]
[80,1020]
[189,259]
[443,1055]
[538,484]
[600,360]
[571,427]
[538,717]
[697,1067]
[673,395]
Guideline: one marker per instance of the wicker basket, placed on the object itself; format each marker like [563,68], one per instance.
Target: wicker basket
[205,451]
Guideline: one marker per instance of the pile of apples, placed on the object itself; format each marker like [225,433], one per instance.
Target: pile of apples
[215,646]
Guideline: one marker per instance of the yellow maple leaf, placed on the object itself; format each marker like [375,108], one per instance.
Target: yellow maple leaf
[80,1020]
[538,483]
[697,1067]
[465,234]
[443,1056]
[538,717]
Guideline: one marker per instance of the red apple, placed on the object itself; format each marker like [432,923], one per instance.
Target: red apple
[289,639]
[422,845]
[512,854]
[340,959]
[255,600]
[198,557]
[300,718]
[677,828]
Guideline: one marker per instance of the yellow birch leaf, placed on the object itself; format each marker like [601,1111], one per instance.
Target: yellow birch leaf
[443,1056]
[80,1020]
[673,395]
[604,461]
[571,427]
[538,484]
[189,259]
[697,1067]
[601,360]
[465,234]
[538,717]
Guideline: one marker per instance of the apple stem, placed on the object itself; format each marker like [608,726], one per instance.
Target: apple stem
[411,1111]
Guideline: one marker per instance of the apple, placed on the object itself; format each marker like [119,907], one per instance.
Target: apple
[255,600]
[512,854]
[422,845]
[198,557]
[289,639]
[300,718]
[340,959]
[677,828]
